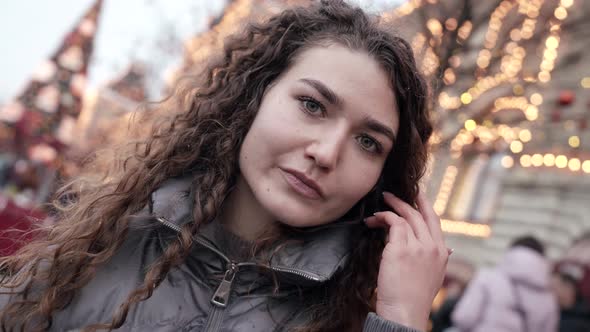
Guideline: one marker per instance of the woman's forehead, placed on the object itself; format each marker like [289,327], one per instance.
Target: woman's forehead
[355,77]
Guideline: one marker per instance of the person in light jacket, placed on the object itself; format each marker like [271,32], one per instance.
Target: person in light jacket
[261,201]
[514,296]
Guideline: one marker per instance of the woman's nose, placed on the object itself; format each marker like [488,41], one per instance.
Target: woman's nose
[327,148]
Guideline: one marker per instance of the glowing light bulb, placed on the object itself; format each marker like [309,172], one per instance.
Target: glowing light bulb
[560,13]
[525,135]
[466,98]
[561,161]
[574,141]
[549,160]
[537,160]
[525,160]
[507,162]
[537,99]
[574,164]
[470,125]
[516,146]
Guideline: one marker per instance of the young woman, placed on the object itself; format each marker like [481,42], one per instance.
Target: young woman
[282,195]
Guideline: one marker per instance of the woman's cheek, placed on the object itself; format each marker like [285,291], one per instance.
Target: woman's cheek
[366,177]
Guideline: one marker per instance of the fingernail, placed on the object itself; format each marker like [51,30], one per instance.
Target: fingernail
[387,193]
[450,251]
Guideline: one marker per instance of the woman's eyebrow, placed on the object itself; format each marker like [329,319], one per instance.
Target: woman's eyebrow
[325,91]
[379,127]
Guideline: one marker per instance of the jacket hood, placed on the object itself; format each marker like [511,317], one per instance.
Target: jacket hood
[527,267]
[319,254]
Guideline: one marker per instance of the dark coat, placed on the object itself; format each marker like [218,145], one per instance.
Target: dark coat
[576,318]
[209,291]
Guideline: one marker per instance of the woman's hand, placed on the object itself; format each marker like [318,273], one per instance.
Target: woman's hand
[413,264]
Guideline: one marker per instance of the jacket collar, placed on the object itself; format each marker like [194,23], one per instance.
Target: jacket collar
[315,257]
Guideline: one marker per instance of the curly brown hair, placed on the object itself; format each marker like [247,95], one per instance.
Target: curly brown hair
[208,118]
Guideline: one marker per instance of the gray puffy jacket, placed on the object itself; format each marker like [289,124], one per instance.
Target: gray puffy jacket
[208,292]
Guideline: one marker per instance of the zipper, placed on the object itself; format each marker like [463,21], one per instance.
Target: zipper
[222,294]
[168,224]
[207,245]
[297,272]
[214,319]
[221,298]
[197,239]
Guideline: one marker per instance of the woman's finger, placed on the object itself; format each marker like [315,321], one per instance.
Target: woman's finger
[431,219]
[393,220]
[413,217]
[375,222]
[399,233]
[387,217]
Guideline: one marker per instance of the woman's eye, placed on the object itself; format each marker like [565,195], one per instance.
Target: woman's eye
[312,106]
[369,144]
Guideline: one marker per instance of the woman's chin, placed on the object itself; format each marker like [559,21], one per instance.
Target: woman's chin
[301,219]
[299,223]
[293,210]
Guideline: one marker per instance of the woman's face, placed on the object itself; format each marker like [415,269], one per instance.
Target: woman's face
[321,137]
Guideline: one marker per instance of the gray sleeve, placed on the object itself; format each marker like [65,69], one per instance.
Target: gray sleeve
[374,323]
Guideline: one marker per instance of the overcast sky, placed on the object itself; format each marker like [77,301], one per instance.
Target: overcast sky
[31,30]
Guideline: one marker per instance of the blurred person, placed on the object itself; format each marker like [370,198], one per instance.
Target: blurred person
[574,309]
[514,296]
[265,203]
[6,163]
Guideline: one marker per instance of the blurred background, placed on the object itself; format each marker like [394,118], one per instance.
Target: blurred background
[509,80]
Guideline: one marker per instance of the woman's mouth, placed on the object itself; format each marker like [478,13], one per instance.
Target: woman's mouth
[301,184]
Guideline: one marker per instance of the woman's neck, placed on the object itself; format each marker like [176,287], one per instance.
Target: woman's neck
[243,215]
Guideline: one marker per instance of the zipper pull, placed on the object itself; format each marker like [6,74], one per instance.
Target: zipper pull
[221,296]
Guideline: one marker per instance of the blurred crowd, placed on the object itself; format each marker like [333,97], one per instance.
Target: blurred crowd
[523,292]
[21,183]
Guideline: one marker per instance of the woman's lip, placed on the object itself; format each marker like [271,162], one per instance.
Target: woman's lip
[301,184]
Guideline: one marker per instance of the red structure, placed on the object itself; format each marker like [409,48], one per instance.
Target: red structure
[37,126]
[47,108]
[16,224]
